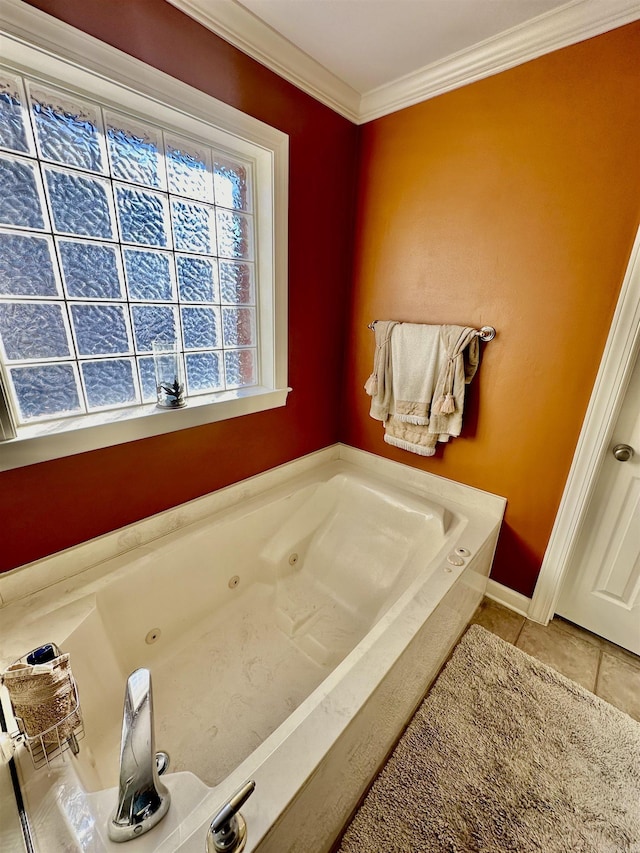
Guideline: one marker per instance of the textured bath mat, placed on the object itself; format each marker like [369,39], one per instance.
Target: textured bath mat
[505,754]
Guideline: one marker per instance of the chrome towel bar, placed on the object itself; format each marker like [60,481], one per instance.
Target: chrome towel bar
[486,333]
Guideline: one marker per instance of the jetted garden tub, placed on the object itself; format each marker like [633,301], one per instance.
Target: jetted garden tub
[291,624]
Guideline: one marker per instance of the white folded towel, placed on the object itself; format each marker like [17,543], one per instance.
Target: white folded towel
[416,356]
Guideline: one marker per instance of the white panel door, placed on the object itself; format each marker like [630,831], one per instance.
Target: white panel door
[601,590]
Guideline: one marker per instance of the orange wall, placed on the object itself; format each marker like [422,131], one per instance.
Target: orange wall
[53,505]
[512,202]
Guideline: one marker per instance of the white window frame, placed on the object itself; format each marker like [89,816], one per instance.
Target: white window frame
[37,44]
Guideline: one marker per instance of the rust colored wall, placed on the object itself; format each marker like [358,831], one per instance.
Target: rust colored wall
[512,202]
[56,504]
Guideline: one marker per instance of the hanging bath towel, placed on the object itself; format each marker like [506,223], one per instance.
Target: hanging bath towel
[441,417]
[379,384]
[460,343]
[415,438]
[415,359]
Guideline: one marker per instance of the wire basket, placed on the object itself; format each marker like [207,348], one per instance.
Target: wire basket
[56,699]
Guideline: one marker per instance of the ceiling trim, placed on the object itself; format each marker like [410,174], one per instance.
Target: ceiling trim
[574,22]
[235,24]
[561,27]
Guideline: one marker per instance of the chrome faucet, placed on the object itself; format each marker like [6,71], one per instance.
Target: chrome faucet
[142,798]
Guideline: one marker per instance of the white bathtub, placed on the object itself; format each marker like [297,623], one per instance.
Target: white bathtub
[291,624]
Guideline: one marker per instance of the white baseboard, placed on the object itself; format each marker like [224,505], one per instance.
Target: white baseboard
[508,597]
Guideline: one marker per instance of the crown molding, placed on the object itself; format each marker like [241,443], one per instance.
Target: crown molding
[561,27]
[574,22]
[236,25]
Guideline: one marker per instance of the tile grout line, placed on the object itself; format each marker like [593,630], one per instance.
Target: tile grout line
[583,638]
[520,629]
[599,664]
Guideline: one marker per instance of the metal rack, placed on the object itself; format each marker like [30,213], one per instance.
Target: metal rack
[486,333]
[50,743]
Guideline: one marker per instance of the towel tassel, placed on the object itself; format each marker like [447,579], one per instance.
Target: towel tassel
[445,405]
[371,385]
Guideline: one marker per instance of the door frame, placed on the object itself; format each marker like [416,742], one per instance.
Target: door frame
[618,360]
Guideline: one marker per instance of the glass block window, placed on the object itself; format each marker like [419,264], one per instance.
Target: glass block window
[115,232]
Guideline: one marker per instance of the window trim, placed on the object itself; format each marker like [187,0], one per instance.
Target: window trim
[36,43]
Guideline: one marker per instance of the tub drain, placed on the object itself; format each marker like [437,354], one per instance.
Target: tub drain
[234,581]
[293,559]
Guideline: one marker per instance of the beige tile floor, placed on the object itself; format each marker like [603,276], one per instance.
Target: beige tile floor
[603,668]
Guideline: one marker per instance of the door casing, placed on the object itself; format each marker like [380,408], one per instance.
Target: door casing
[612,380]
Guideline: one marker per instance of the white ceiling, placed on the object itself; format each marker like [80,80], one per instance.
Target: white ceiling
[366,58]
[371,43]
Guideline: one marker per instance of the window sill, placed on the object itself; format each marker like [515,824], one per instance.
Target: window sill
[55,439]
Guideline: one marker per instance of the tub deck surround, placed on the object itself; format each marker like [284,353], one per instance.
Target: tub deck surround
[284,621]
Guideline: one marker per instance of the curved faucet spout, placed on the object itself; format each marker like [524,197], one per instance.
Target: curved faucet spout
[142,798]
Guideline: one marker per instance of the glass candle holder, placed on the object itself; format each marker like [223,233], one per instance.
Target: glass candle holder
[169,368]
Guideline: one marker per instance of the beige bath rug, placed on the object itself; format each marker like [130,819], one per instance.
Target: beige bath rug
[505,755]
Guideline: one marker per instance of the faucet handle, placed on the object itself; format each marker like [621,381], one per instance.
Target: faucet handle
[228,830]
